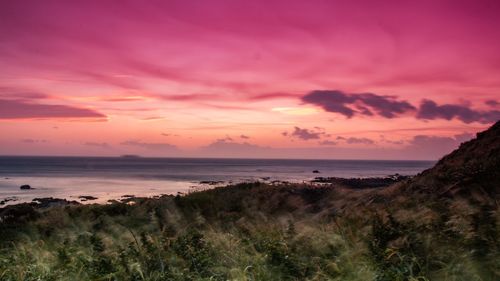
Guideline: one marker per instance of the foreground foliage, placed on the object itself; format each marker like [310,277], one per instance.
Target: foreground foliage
[254,232]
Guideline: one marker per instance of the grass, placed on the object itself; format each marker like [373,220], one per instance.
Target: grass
[254,232]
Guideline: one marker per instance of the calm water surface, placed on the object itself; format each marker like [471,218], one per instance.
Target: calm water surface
[110,178]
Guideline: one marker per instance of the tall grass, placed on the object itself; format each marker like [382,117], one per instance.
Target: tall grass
[253,232]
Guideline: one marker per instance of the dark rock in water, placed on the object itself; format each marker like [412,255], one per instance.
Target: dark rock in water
[128,196]
[8,199]
[87,197]
[211,182]
[315,172]
[25,186]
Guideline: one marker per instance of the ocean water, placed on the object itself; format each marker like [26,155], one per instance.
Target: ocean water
[112,177]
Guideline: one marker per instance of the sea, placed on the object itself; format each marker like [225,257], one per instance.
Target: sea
[108,178]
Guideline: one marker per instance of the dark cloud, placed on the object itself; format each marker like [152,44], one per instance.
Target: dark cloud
[353,140]
[150,146]
[370,104]
[350,105]
[331,101]
[306,134]
[97,144]
[244,137]
[20,109]
[429,110]
[364,110]
[492,103]
[327,142]
[385,106]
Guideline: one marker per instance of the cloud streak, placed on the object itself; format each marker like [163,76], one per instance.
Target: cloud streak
[20,109]
[353,140]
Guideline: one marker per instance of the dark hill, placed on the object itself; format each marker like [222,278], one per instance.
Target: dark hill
[472,170]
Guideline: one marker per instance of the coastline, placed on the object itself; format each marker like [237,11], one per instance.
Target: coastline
[32,196]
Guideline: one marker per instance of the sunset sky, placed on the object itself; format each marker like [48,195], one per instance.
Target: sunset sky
[272,79]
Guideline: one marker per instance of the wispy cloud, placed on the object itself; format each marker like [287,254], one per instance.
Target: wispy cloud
[20,109]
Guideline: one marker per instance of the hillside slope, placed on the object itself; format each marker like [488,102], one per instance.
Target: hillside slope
[472,170]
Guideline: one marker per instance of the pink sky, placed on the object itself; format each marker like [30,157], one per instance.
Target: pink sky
[294,79]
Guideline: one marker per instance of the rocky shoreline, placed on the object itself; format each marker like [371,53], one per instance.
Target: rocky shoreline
[332,182]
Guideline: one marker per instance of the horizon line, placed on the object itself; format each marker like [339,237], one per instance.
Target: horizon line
[126,156]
